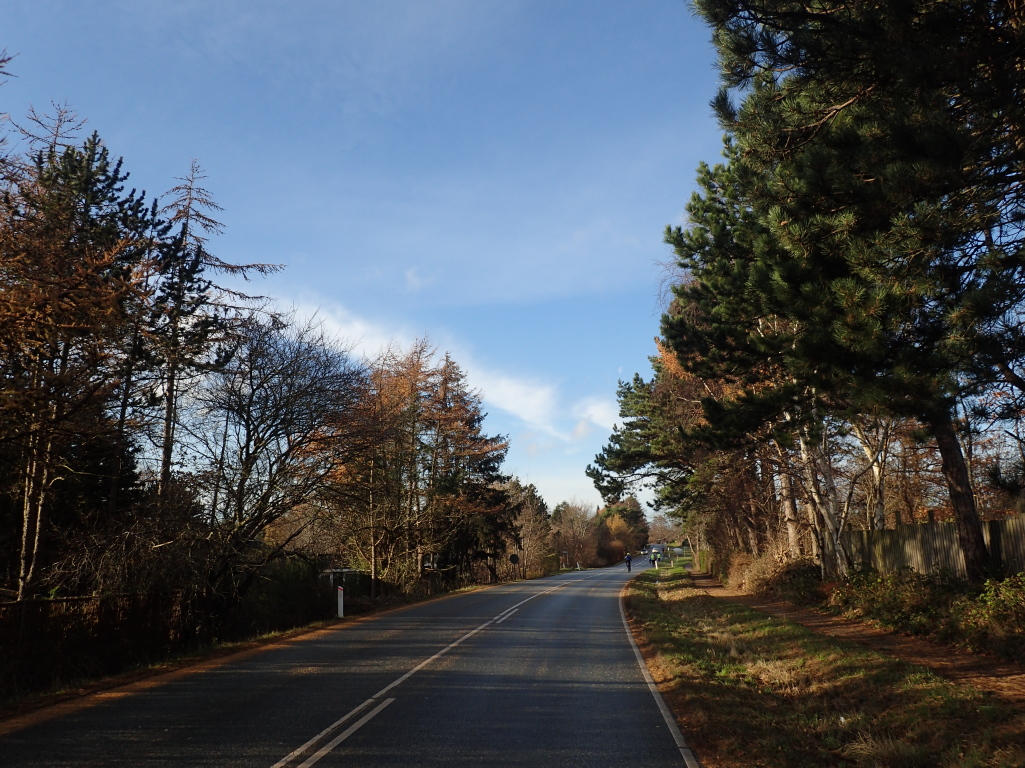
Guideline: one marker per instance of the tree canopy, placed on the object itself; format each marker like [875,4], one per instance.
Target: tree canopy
[858,257]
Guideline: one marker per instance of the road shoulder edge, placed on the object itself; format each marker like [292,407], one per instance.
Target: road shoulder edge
[135,681]
[689,758]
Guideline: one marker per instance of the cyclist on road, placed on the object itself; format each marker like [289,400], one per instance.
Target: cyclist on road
[628,561]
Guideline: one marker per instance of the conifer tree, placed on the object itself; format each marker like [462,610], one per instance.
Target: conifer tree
[73,244]
[533,529]
[184,323]
[427,486]
[884,173]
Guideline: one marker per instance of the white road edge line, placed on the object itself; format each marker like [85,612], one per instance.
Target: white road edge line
[689,758]
[345,734]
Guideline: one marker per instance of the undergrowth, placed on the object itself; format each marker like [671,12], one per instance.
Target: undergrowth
[753,690]
[989,618]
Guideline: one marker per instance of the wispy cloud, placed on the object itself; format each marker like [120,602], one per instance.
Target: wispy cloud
[532,402]
[362,337]
[603,412]
[549,435]
[583,429]
[413,281]
[534,405]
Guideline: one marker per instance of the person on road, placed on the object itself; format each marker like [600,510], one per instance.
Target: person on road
[628,560]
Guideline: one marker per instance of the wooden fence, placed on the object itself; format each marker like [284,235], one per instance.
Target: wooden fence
[933,547]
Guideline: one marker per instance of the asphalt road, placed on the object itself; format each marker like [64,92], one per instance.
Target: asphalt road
[539,673]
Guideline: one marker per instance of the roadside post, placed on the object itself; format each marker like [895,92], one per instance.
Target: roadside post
[341,602]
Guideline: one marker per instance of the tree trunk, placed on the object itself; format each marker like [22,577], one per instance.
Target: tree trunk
[373,538]
[875,445]
[33,531]
[789,504]
[128,381]
[962,500]
[167,437]
[815,531]
[38,459]
[819,513]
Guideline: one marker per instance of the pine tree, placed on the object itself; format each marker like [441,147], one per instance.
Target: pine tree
[885,173]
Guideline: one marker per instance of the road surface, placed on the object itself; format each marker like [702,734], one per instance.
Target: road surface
[535,673]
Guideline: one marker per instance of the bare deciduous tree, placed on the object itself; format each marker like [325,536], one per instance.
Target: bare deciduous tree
[261,446]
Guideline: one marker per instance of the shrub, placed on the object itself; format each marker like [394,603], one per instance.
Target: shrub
[904,600]
[734,574]
[795,581]
[941,606]
[756,572]
[995,620]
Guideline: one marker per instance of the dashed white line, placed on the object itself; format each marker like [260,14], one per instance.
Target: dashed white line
[355,726]
[506,615]
[345,734]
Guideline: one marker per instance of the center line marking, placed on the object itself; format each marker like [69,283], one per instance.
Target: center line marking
[345,734]
[295,753]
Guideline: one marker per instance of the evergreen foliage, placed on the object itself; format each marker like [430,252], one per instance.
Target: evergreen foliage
[856,262]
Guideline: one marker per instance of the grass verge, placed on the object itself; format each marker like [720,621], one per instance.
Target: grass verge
[754,690]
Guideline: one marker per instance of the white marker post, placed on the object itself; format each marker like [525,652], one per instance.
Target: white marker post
[341,602]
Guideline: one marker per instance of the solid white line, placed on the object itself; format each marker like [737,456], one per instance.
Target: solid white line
[296,752]
[424,663]
[689,758]
[500,617]
[465,637]
[345,734]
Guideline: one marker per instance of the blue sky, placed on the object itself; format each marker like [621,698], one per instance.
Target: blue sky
[495,174]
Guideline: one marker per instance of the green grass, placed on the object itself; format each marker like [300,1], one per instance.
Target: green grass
[753,690]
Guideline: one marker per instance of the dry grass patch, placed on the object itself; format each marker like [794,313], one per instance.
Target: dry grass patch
[754,690]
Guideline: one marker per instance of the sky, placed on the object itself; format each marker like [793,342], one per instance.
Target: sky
[495,175]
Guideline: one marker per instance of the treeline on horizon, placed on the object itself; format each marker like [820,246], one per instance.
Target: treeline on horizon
[844,346]
[164,432]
